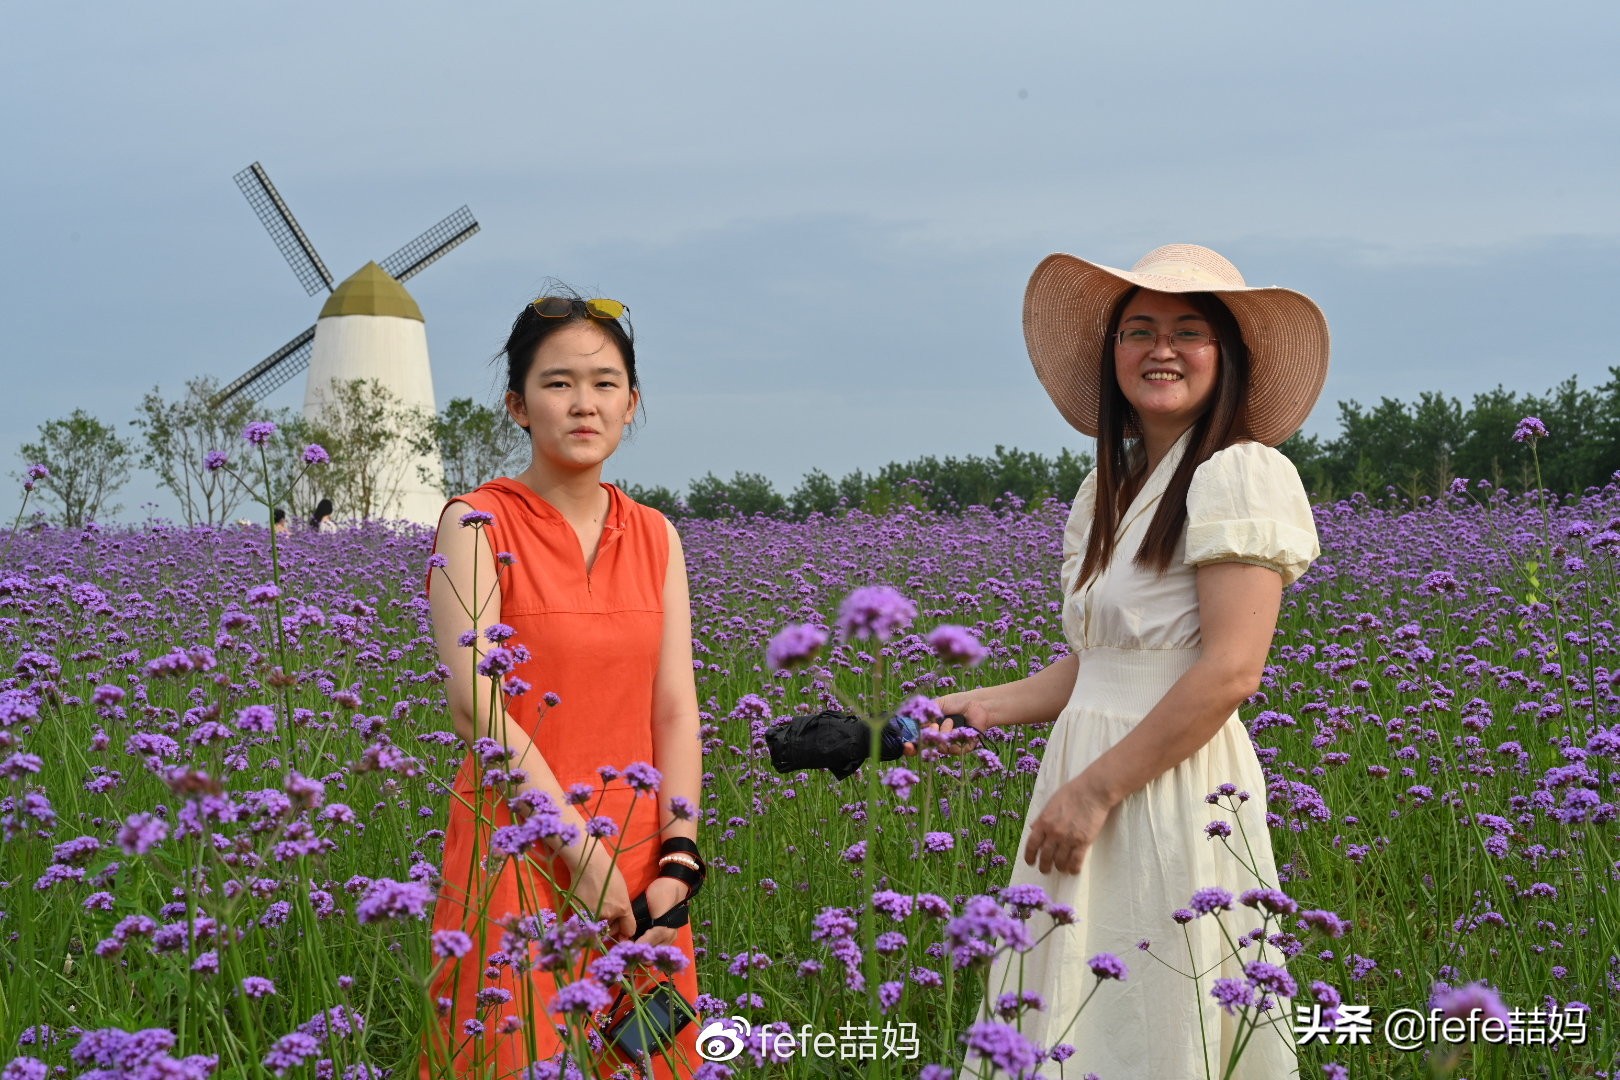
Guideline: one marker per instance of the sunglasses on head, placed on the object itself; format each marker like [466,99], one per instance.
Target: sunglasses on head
[560,307]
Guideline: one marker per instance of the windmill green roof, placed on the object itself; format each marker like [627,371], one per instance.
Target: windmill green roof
[370,291]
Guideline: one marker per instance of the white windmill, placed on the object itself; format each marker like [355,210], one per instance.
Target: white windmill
[369,328]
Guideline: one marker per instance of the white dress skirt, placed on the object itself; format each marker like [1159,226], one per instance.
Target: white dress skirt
[1136,633]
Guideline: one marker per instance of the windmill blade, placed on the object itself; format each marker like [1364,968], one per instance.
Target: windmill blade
[273,372]
[428,248]
[284,229]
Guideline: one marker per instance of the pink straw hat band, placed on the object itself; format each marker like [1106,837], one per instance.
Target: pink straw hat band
[1069,300]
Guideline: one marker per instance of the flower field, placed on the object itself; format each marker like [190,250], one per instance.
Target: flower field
[221,774]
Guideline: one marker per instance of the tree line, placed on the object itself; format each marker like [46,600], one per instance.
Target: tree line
[1416,448]
[1420,447]
[949,485]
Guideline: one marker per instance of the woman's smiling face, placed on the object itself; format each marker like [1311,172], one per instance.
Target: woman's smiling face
[1168,384]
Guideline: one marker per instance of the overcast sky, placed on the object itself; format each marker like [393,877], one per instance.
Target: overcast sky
[822,215]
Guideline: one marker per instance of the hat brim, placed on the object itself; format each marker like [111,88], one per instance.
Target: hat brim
[1066,310]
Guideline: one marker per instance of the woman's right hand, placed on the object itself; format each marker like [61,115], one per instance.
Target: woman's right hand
[970,709]
[597,885]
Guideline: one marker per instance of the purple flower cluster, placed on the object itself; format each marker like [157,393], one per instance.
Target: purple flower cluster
[1209,900]
[259,432]
[1529,430]
[143,1053]
[389,899]
[1002,1046]
[957,645]
[794,646]
[1107,966]
[1473,1000]
[874,611]
[982,930]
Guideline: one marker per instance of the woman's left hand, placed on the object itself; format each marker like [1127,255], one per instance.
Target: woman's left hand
[663,894]
[1066,828]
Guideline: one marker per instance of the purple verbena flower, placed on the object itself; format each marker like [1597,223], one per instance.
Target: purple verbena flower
[1107,966]
[260,595]
[259,432]
[642,777]
[141,833]
[922,709]
[1271,978]
[794,646]
[584,996]
[1325,921]
[900,780]
[1274,901]
[256,986]
[259,719]
[878,611]
[1529,430]
[290,1051]
[451,944]
[1234,995]
[1002,1046]
[956,645]
[389,899]
[895,905]
[1025,899]
[1465,1001]
[1210,900]
[25,1068]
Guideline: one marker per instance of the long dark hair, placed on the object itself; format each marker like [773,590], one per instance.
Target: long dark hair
[323,509]
[530,329]
[1121,469]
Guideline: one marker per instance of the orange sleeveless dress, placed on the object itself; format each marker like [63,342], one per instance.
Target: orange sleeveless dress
[594,640]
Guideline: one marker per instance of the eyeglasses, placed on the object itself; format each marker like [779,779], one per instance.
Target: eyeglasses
[1183,341]
[560,307]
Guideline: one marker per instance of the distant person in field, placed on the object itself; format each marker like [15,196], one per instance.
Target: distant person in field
[321,519]
[1175,557]
[279,521]
[592,586]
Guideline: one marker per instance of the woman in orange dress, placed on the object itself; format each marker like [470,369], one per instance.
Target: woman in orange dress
[562,598]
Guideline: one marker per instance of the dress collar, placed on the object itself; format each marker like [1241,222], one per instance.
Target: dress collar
[533,500]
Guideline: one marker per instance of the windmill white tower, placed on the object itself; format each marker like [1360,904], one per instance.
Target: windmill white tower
[369,328]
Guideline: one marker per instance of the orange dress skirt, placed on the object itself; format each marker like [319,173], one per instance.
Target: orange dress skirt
[593,640]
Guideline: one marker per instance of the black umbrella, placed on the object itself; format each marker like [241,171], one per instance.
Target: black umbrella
[836,741]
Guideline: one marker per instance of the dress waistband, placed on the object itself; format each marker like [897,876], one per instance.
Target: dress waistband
[1128,681]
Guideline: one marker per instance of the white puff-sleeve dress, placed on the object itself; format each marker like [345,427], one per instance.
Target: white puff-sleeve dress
[1136,632]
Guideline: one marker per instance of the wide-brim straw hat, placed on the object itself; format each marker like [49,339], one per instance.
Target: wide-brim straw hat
[1069,300]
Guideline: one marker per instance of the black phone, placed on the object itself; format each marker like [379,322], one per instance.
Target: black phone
[648,1024]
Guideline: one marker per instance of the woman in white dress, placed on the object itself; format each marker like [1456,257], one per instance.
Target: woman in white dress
[1175,558]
